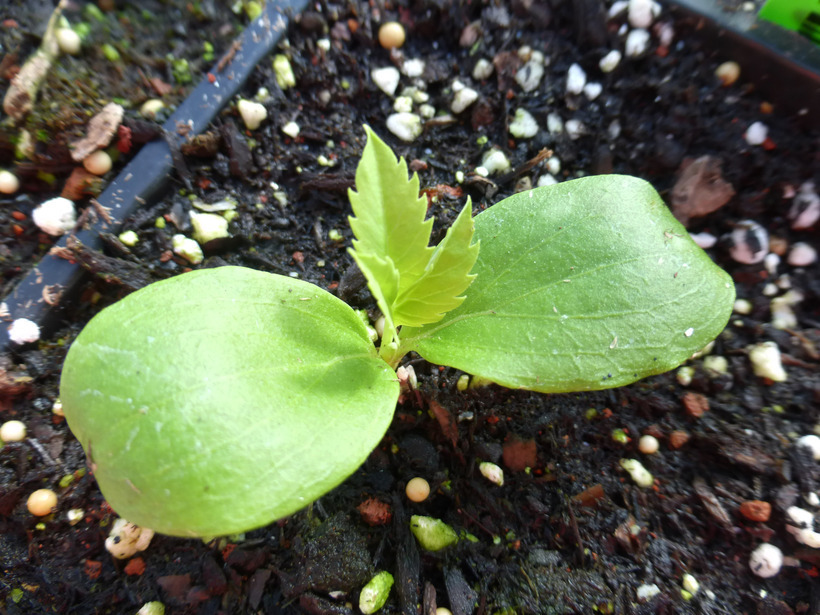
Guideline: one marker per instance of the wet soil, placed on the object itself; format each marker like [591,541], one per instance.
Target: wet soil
[569,531]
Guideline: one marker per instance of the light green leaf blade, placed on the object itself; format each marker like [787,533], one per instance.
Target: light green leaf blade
[585,285]
[445,278]
[222,399]
[388,219]
[387,288]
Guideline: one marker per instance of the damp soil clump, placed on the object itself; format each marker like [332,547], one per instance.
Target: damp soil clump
[569,531]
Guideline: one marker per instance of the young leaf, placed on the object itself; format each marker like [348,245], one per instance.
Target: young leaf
[584,285]
[446,276]
[412,282]
[223,399]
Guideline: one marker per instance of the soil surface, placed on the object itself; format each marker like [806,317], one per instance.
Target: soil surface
[569,531]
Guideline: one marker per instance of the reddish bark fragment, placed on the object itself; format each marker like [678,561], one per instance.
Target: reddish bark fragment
[518,455]
[446,421]
[756,510]
[695,404]
[176,586]
[93,568]
[591,496]
[700,189]
[375,512]
[136,566]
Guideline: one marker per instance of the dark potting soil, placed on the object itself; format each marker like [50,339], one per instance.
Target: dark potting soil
[569,531]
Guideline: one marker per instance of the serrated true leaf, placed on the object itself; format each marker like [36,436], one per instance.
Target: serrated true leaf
[223,399]
[446,276]
[588,284]
[388,216]
[412,282]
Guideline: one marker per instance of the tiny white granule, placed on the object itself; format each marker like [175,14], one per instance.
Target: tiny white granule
[756,133]
[386,79]
[646,592]
[24,331]
[530,75]
[546,180]
[811,442]
[704,240]
[771,262]
[483,69]
[805,209]
[576,79]
[766,362]
[802,255]
[637,42]
[800,524]
[554,123]
[743,306]
[618,7]
[553,165]
[55,216]
[252,113]
[575,129]
[610,61]
[593,90]
[640,13]
[462,99]
[406,126]
[523,125]
[413,68]
[766,560]
[750,242]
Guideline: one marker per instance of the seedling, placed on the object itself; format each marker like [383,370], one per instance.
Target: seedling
[223,399]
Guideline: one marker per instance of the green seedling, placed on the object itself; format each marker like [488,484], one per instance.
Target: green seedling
[223,399]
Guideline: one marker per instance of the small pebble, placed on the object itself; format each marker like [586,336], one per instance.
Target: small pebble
[9,184]
[150,108]
[766,361]
[575,129]
[555,124]
[391,35]
[417,489]
[187,248]
[642,477]
[576,79]
[750,242]
[640,13]
[743,306]
[546,180]
[68,41]
[291,129]
[728,73]
[610,61]
[12,431]
[771,262]
[98,163]
[648,445]
[637,42]
[413,68]
[495,161]
[805,209]
[756,133]
[386,79]
[483,69]
[406,126]
[802,255]
[55,216]
[24,331]
[593,90]
[529,76]
[523,125]
[766,560]
[41,502]
[252,113]
[812,442]
[492,473]
[462,99]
